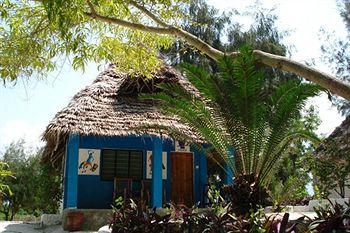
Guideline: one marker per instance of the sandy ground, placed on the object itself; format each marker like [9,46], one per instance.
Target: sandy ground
[22,227]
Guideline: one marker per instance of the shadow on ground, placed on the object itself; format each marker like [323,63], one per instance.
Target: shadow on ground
[21,227]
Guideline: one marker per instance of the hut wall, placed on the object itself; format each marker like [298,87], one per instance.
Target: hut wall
[93,193]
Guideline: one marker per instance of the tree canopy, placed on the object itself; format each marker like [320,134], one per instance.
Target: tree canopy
[336,52]
[35,188]
[36,35]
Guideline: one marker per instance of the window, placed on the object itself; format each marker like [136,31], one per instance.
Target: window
[122,164]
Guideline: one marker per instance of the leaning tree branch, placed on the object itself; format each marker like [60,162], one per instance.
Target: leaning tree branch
[324,80]
[95,15]
[128,24]
[169,30]
[188,37]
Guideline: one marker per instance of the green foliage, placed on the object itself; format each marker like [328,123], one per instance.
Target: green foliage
[336,53]
[246,194]
[334,218]
[208,24]
[48,190]
[263,34]
[37,37]
[289,184]
[205,22]
[219,218]
[233,111]
[331,170]
[4,173]
[36,187]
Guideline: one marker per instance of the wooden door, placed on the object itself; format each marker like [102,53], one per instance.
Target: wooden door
[182,178]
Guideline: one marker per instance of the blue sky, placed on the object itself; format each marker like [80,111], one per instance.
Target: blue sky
[27,107]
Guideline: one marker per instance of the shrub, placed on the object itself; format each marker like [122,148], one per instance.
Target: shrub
[246,194]
[221,218]
[133,218]
[331,219]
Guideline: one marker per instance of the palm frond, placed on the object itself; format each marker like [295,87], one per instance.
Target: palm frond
[233,111]
[285,105]
[282,146]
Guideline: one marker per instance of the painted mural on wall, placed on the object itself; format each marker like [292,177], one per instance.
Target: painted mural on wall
[149,165]
[89,162]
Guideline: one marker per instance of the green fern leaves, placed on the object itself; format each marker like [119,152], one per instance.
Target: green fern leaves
[234,111]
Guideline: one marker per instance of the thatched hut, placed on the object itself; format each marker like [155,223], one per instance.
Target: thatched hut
[108,135]
[340,136]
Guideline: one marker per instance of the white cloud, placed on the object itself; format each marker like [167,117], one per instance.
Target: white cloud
[329,115]
[18,129]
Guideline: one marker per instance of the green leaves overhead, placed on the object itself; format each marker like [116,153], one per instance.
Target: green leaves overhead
[233,110]
[36,37]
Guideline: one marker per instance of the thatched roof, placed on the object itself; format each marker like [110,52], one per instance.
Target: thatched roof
[110,107]
[340,137]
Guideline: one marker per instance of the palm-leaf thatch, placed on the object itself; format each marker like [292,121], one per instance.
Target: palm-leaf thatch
[110,107]
[340,138]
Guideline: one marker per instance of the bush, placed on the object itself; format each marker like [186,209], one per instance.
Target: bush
[220,217]
[331,219]
[246,194]
[134,218]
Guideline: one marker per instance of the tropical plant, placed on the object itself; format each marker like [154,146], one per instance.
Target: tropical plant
[246,194]
[233,113]
[219,218]
[289,185]
[133,217]
[179,218]
[334,218]
[274,224]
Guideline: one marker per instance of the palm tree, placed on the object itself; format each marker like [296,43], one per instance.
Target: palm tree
[233,113]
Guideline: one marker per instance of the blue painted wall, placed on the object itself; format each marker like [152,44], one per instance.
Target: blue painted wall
[157,186]
[71,176]
[92,193]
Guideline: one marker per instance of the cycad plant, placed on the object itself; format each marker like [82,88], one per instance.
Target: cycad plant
[233,113]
